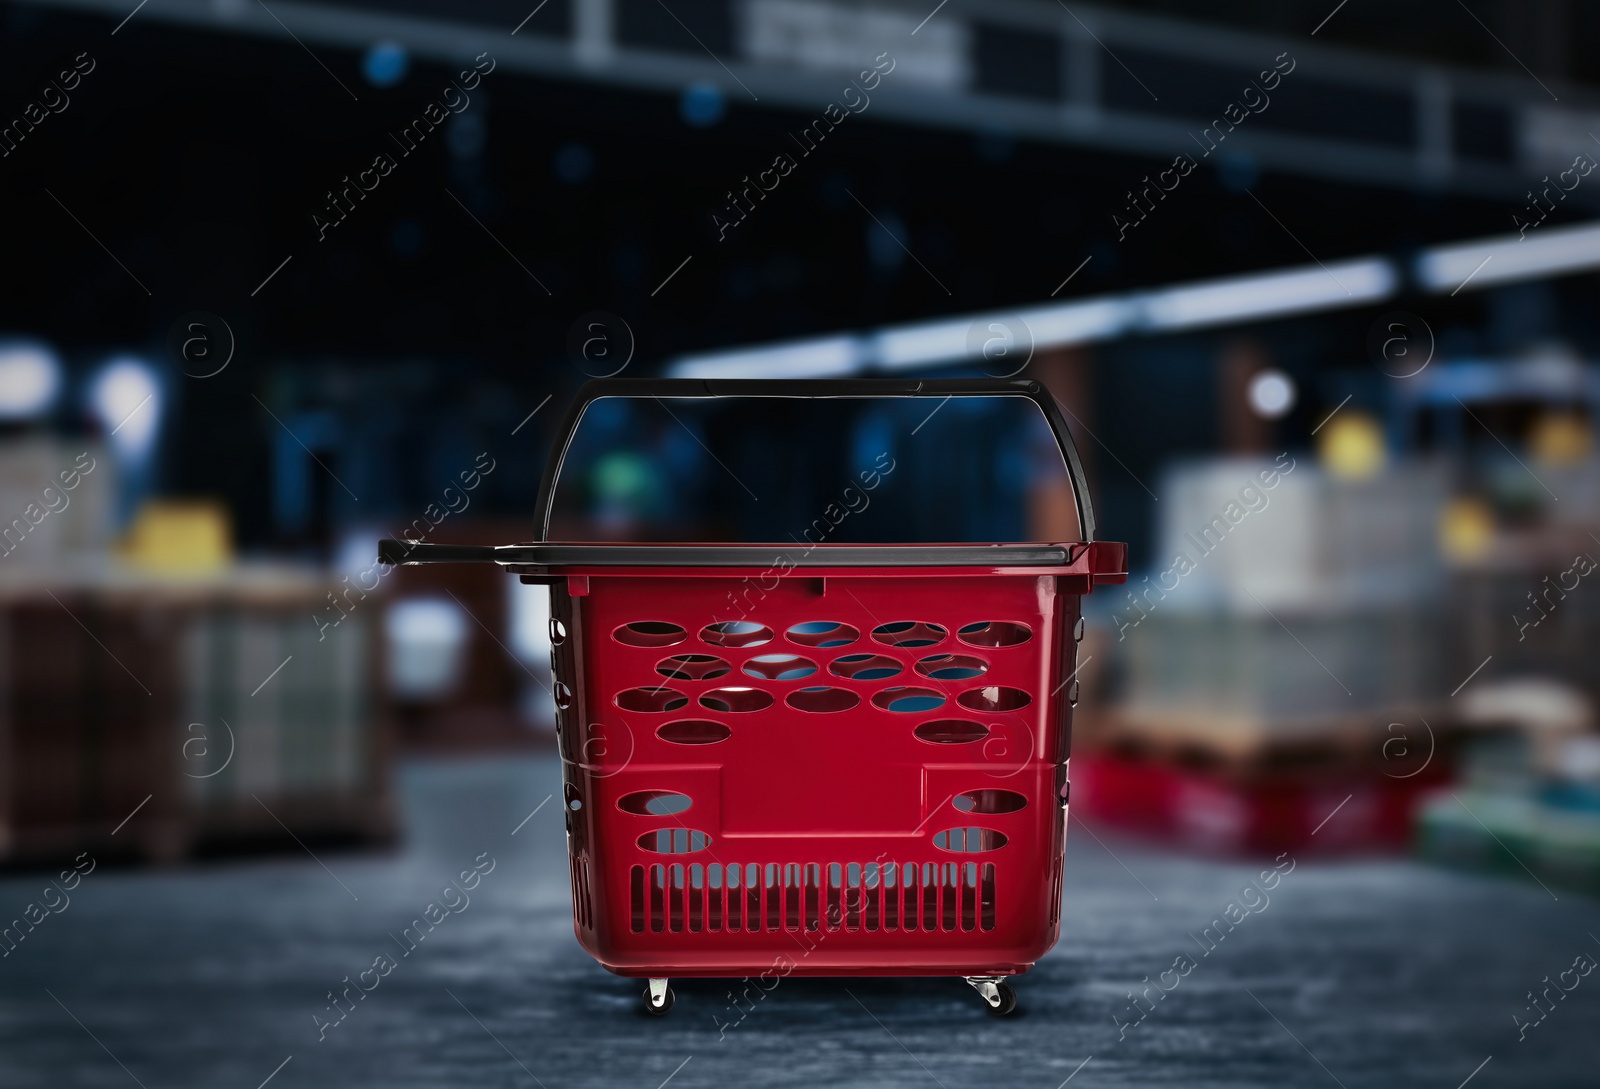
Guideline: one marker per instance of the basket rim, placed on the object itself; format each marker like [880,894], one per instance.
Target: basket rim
[1103,556]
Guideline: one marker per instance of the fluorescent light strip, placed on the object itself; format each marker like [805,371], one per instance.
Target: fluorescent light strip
[906,346]
[823,357]
[1551,251]
[1080,322]
[903,346]
[953,340]
[1548,251]
[1272,295]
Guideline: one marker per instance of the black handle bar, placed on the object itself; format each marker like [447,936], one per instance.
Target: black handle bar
[598,388]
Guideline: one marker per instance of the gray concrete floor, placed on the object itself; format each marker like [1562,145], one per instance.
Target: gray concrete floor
[1359,973]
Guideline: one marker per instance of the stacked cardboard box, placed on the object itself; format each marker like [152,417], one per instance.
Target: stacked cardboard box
[209,708]
[1286,652]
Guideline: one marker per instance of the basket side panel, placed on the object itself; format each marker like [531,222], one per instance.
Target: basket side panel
[859,775]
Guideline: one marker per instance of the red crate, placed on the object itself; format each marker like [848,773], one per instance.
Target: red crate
[861,775]
[1259,812]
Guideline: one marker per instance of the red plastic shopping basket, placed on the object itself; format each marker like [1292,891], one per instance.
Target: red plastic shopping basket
[864,774]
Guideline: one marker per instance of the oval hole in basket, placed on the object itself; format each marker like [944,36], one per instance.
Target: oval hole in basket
[736,700]
[951,731]
[822,700]
[649,633]
[865,667]
[989,801]
[952,667]
[692,667]
[909,633]
[994,633]
[969,841]
[822,634]
[905,700]
[654,803]
[694,732]
[674,841]
[736,633]
[994,697]
[780,667]
[651,700]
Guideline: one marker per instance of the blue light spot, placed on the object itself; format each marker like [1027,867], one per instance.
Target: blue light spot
[385,64]
[703,105]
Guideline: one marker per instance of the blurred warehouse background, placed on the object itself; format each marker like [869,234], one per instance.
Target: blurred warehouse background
[1316,285]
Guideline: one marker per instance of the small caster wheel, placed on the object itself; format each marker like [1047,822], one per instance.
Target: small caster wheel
[658,998]
[1008,1000]
[998,995]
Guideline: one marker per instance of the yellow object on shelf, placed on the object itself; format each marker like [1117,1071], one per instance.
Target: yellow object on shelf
[1351,446]
[179,536]
[1466,530]
[1561,438]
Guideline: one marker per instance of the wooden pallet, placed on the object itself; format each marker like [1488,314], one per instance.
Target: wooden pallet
[1396,740]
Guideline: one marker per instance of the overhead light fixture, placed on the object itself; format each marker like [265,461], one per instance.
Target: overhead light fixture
[924,344]
[919,345]
[30,379]
[1485,262]
[1080,322]
[1269,295]
[127,399]
[1550,251]
[1271,394]
[824,357]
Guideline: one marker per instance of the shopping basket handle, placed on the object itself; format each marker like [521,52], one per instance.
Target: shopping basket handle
[598,388]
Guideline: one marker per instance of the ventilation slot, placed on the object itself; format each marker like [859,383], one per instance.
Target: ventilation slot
[649,633]
[675,841]
[654,803]
[693,667]
[904,700]
[952,667]
[994,698]
[586,900]
[865,667]
[830,897]
[736,700]
[780,667]
[713,897]
[736,633]
[951,731]
[822,700]
[822,634]
[909,633]
[994,633]
[969,840]
[651,700]
[577,883]
[1055,898]
[581,899]
[989,801]
[694,732]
